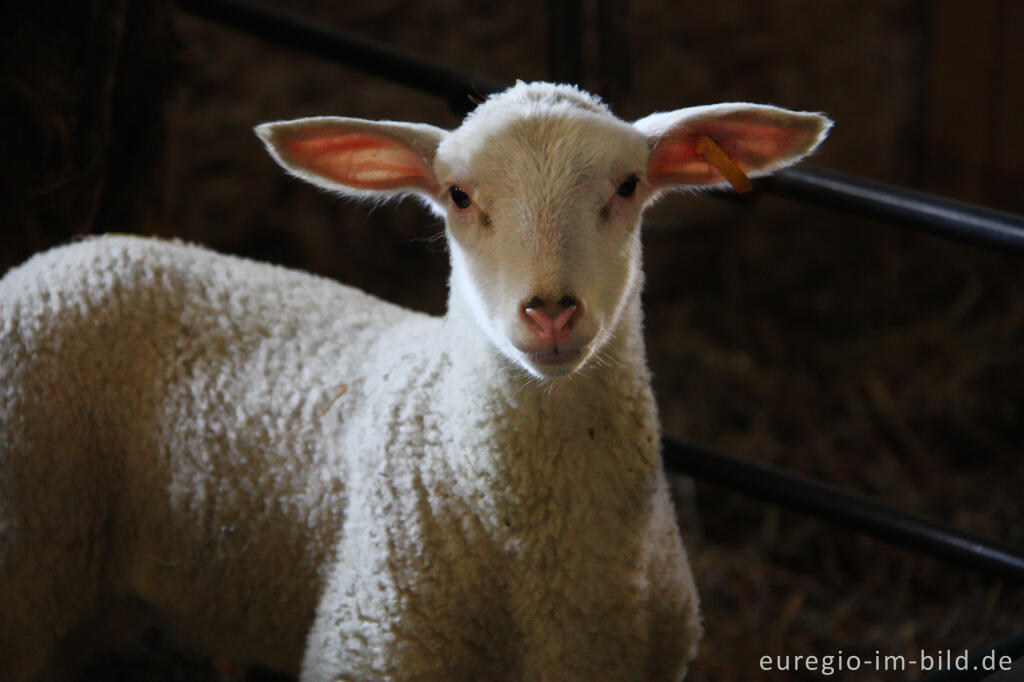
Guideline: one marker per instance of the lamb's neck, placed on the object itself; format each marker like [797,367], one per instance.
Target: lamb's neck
[595,412]
[582,448]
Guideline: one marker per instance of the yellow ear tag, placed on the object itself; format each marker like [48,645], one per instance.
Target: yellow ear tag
[710,150]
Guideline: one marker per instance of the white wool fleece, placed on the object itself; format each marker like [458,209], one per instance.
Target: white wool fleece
[161,409]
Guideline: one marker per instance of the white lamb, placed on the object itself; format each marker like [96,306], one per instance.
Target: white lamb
[484,501]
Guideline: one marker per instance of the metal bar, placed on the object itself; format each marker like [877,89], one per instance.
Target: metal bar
[940,216]
[937,215]
[840,508]
[286,30]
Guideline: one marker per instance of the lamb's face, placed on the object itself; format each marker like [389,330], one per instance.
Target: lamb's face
[543,214]
[542,188]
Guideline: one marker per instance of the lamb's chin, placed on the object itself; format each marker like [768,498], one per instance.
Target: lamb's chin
[550,365]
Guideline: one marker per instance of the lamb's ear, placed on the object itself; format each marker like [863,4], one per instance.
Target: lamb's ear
[759,139]
[357,157]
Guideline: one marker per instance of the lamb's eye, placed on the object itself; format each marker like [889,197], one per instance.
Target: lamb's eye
[460,198]
[628,187]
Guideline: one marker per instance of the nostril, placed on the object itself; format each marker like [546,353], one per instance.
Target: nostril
[535,303]
[572,311]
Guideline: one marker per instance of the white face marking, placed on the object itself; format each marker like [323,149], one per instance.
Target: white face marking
[542,190]
[545,221]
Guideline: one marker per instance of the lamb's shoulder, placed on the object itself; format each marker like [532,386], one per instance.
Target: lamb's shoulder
[411,566]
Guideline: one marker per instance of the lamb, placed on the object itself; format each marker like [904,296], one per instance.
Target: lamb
[292,473]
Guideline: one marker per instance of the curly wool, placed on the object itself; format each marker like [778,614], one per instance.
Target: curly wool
[169,429]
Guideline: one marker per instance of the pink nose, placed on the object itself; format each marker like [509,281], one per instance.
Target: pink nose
[551,322]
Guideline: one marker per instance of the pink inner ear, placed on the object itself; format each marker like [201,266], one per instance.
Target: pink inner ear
[675,160]
[752,141]
[360,160]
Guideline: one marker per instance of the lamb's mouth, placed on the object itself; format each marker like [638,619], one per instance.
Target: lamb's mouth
[555,356]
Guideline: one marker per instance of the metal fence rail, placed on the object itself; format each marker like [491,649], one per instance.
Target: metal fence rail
[901,206]
[898,205]
[936,215]
[287,30]
[840,508]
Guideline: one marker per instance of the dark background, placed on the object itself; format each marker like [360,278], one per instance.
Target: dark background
[854,352]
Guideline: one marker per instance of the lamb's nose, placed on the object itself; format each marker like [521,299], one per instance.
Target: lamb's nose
[551,322]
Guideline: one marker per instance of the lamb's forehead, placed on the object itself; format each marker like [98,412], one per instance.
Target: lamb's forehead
[559,121]
[539,96]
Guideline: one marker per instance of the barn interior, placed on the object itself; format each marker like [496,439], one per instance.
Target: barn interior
[847,349]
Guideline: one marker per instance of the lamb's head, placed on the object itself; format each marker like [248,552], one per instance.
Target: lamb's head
[542,190]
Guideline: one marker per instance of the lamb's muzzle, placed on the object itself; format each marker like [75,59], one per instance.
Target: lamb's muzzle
[552,323]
